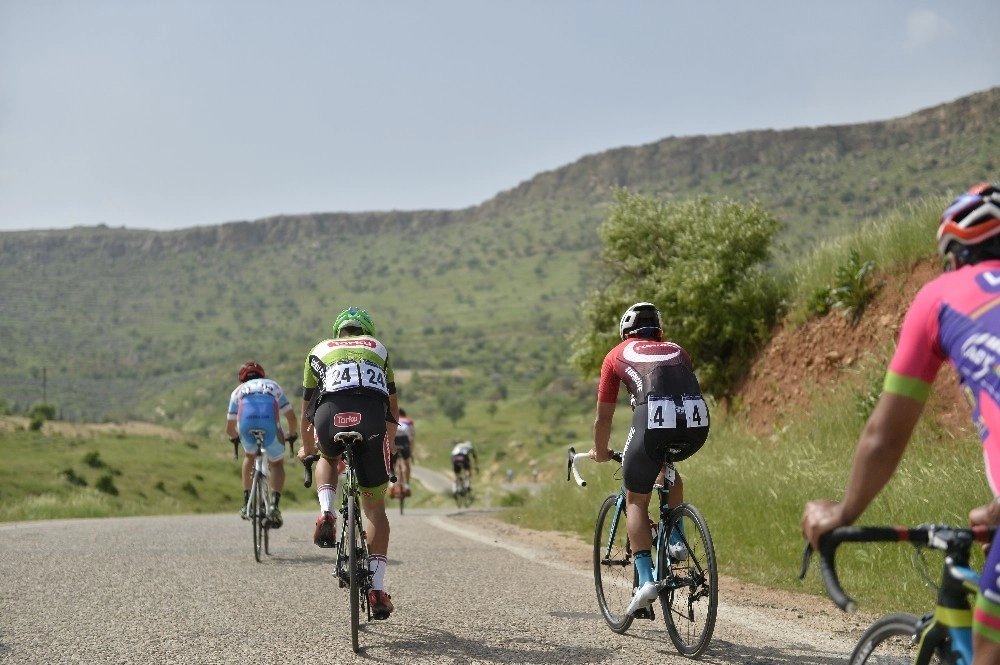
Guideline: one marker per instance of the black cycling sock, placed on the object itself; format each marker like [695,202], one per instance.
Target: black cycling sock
[246,496]
[277,498]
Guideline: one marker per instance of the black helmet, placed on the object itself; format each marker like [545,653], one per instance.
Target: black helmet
[638,318]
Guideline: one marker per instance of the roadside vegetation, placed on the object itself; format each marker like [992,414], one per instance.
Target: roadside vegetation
[751,489]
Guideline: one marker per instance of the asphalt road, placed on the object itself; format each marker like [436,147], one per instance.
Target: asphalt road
[187,590]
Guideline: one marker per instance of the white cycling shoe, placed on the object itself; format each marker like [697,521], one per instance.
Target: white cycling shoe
[645,595]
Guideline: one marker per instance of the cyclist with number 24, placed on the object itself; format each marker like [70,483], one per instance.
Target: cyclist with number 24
[349,385]
[258,403]
[667,409]
[955,318]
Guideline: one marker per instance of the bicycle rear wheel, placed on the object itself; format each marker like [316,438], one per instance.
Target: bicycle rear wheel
[690,599]
[257,515]
[399,482]
[352,561]
[889,641]
[613,570]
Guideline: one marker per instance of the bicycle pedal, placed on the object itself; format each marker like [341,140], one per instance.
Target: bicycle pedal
[644,613]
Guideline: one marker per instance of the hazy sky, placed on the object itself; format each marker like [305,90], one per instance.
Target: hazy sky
[164,114]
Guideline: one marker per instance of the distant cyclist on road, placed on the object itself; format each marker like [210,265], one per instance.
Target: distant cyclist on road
[258,403]
[955,318]
[463,458]
[406,437]
[669,415]
[349,385]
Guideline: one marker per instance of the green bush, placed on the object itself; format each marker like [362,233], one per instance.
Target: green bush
[107,485]
[93,460]
[69,475]
[853,290]
[703,263]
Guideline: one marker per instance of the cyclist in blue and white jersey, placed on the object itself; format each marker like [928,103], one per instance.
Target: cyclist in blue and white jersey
[258,403]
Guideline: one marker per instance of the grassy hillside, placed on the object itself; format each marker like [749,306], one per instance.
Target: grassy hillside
[750,488]
[118,324]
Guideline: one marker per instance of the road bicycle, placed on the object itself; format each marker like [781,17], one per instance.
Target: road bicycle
[684,565]
[351,569]
[463,488]
[397,489]
[941,636]
[258,506]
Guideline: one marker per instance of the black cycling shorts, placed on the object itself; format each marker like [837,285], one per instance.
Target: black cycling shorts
[646,449]
[343,412]
[403,446]
[460,462]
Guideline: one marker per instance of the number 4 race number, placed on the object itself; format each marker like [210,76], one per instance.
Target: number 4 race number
[663,413]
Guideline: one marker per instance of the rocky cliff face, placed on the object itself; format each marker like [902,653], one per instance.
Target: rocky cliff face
[675,166]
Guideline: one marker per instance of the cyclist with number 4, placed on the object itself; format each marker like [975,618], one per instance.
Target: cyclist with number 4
[258,403]
[955,318]
[349,385]
[667,409]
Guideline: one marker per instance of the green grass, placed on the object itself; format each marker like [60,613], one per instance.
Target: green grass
[48,476]
[752,490]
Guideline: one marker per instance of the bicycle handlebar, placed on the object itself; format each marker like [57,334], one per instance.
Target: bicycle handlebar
[307,463]
[936,536]
[572,464]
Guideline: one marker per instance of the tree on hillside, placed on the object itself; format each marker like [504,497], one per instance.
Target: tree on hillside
[703,263]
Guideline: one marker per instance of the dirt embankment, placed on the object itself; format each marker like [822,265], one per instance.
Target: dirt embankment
[831,350]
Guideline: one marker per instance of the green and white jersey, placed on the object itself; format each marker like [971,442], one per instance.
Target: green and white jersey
[349,363]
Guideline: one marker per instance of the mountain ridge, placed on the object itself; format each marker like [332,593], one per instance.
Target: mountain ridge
[588,179]
[139,324]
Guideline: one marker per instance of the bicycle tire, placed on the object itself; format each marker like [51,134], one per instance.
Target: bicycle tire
[257,518]
[265,495]
[614,574]
[399,481]
[690,600]
[890,641]
[352,562]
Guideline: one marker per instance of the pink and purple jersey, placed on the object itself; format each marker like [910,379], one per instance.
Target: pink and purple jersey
[956,317]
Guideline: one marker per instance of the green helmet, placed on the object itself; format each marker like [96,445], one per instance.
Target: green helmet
[354,317]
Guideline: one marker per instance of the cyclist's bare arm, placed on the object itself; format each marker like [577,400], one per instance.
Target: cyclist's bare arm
[602,431]
[307,433]
[293,424]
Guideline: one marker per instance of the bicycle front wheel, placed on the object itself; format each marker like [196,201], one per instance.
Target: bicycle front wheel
[352,560]
[613,570]
[690,600]
[889,641]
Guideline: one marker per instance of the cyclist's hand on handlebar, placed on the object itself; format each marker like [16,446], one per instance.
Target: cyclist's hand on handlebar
[985,515]
[819,517]
[303,453]
[600,456]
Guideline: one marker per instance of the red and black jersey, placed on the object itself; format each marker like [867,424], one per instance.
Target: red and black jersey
[647,367]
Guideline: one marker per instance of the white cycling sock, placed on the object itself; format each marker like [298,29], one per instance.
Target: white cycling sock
[326,494]
[377,564]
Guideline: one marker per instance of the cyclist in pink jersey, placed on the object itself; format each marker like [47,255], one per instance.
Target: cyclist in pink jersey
[954,318]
